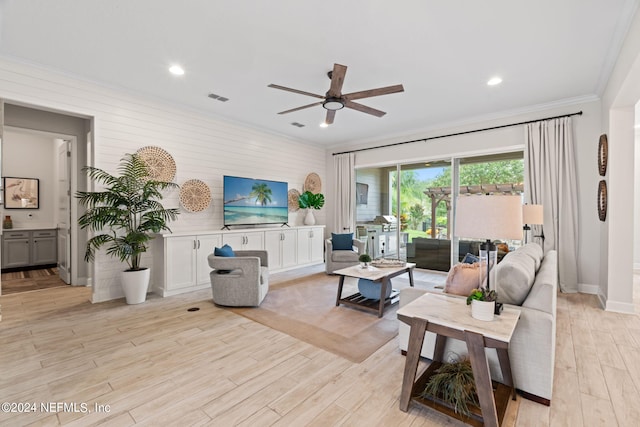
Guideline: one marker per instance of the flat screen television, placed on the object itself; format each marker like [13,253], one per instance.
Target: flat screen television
[249,201]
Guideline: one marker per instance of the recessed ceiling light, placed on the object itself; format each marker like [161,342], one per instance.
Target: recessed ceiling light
[324,125]
[176,70]
[494,81]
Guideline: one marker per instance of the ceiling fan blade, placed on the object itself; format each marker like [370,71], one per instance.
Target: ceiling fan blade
[374,92]
[363,108]
[330,115]
[300,108]
[337,80]
[301,92]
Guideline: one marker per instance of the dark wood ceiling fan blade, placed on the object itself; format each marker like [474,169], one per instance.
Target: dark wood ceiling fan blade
[301,92]
[374,92]
[331,114]
[337,80]
[300,108]
[363,108]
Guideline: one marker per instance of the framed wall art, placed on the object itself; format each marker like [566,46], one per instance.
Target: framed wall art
[21,193]
[362,193]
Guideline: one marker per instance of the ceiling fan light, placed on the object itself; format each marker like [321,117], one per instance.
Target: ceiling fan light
[333,104]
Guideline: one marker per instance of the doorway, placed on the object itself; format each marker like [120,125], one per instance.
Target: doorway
[52,148]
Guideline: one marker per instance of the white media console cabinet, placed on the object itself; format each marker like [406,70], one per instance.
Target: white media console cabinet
[180,259]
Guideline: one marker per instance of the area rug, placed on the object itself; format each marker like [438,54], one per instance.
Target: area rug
[305,308]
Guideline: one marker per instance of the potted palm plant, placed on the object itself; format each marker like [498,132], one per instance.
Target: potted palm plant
[126,213]
[310,201]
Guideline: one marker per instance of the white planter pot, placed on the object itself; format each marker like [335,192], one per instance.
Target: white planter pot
[482,310]
[309,219]
[135,285]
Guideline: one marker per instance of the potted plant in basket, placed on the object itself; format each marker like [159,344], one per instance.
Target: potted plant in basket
[309,201]
[129,208]
[483,303]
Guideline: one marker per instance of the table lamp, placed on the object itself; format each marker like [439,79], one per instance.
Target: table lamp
[489,217]
[531,214]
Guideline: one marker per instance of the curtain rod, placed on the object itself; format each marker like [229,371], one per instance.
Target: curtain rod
[579,113]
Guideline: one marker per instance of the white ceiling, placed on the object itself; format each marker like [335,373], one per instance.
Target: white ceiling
[547,52]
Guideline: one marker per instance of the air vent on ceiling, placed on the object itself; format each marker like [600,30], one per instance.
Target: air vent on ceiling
[218,97]
[300,125]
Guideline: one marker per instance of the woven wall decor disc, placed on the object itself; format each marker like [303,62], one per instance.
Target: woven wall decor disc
[603,154]
[292,200]
[313,183]
[161,165]
[602,200]
[195,195]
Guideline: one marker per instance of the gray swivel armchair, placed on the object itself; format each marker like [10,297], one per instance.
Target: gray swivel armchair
[240,281]
[335,260]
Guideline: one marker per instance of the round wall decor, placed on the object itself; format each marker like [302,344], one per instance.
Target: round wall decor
[603,154]
[292,200]
[602,200]
[161,165]
[313,183]
[195,195]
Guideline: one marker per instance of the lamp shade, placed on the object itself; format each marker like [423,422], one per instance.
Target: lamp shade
[489,217]
[532,214]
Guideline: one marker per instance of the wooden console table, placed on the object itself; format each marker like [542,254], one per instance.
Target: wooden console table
[376,274]
[450,317]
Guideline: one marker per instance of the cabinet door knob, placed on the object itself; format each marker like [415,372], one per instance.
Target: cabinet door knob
[198,243]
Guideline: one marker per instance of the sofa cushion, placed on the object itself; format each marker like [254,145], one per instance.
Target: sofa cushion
[342,242]
[514,277]
[344,256]
[462,279]
[535,251]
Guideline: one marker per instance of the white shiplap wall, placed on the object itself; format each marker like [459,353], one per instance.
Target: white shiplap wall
[203,147]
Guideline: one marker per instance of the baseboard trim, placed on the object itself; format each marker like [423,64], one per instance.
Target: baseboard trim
[534,398]
[588,289]
[619,307]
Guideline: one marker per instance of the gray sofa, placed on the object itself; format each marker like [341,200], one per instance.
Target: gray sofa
[528,282]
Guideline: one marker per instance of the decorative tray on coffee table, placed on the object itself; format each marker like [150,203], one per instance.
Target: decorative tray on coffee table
[387,263]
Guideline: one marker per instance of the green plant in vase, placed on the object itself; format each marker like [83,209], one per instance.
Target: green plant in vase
[125,213]
[453,384]
[310,201]
[365,259]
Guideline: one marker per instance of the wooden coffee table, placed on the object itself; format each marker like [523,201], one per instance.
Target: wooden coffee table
[376,274]
[450,317]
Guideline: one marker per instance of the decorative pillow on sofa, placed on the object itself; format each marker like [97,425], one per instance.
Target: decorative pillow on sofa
[470,259]
[514,277]
[225,251]
[462,279]
[342,242]
[535,251]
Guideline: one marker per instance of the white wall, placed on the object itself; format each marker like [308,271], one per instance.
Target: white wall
[636,192]
[31,155]
[621,95]
[586,133]
[203,147]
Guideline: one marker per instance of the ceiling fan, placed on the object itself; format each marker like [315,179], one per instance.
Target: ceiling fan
[334,100]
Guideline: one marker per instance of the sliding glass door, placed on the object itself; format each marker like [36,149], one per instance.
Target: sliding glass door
[406,211]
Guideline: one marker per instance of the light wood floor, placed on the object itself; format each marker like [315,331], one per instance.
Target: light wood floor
[159,364]
[30,280]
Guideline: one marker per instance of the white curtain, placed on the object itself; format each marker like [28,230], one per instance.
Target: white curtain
[345,192]
[550,166]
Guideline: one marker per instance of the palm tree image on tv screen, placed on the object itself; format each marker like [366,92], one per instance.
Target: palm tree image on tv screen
[249,201]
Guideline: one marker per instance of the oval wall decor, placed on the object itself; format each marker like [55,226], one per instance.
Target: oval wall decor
[195,195]
[313,183]
[602,200]
[161,165]
[603,154]
[292,200]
